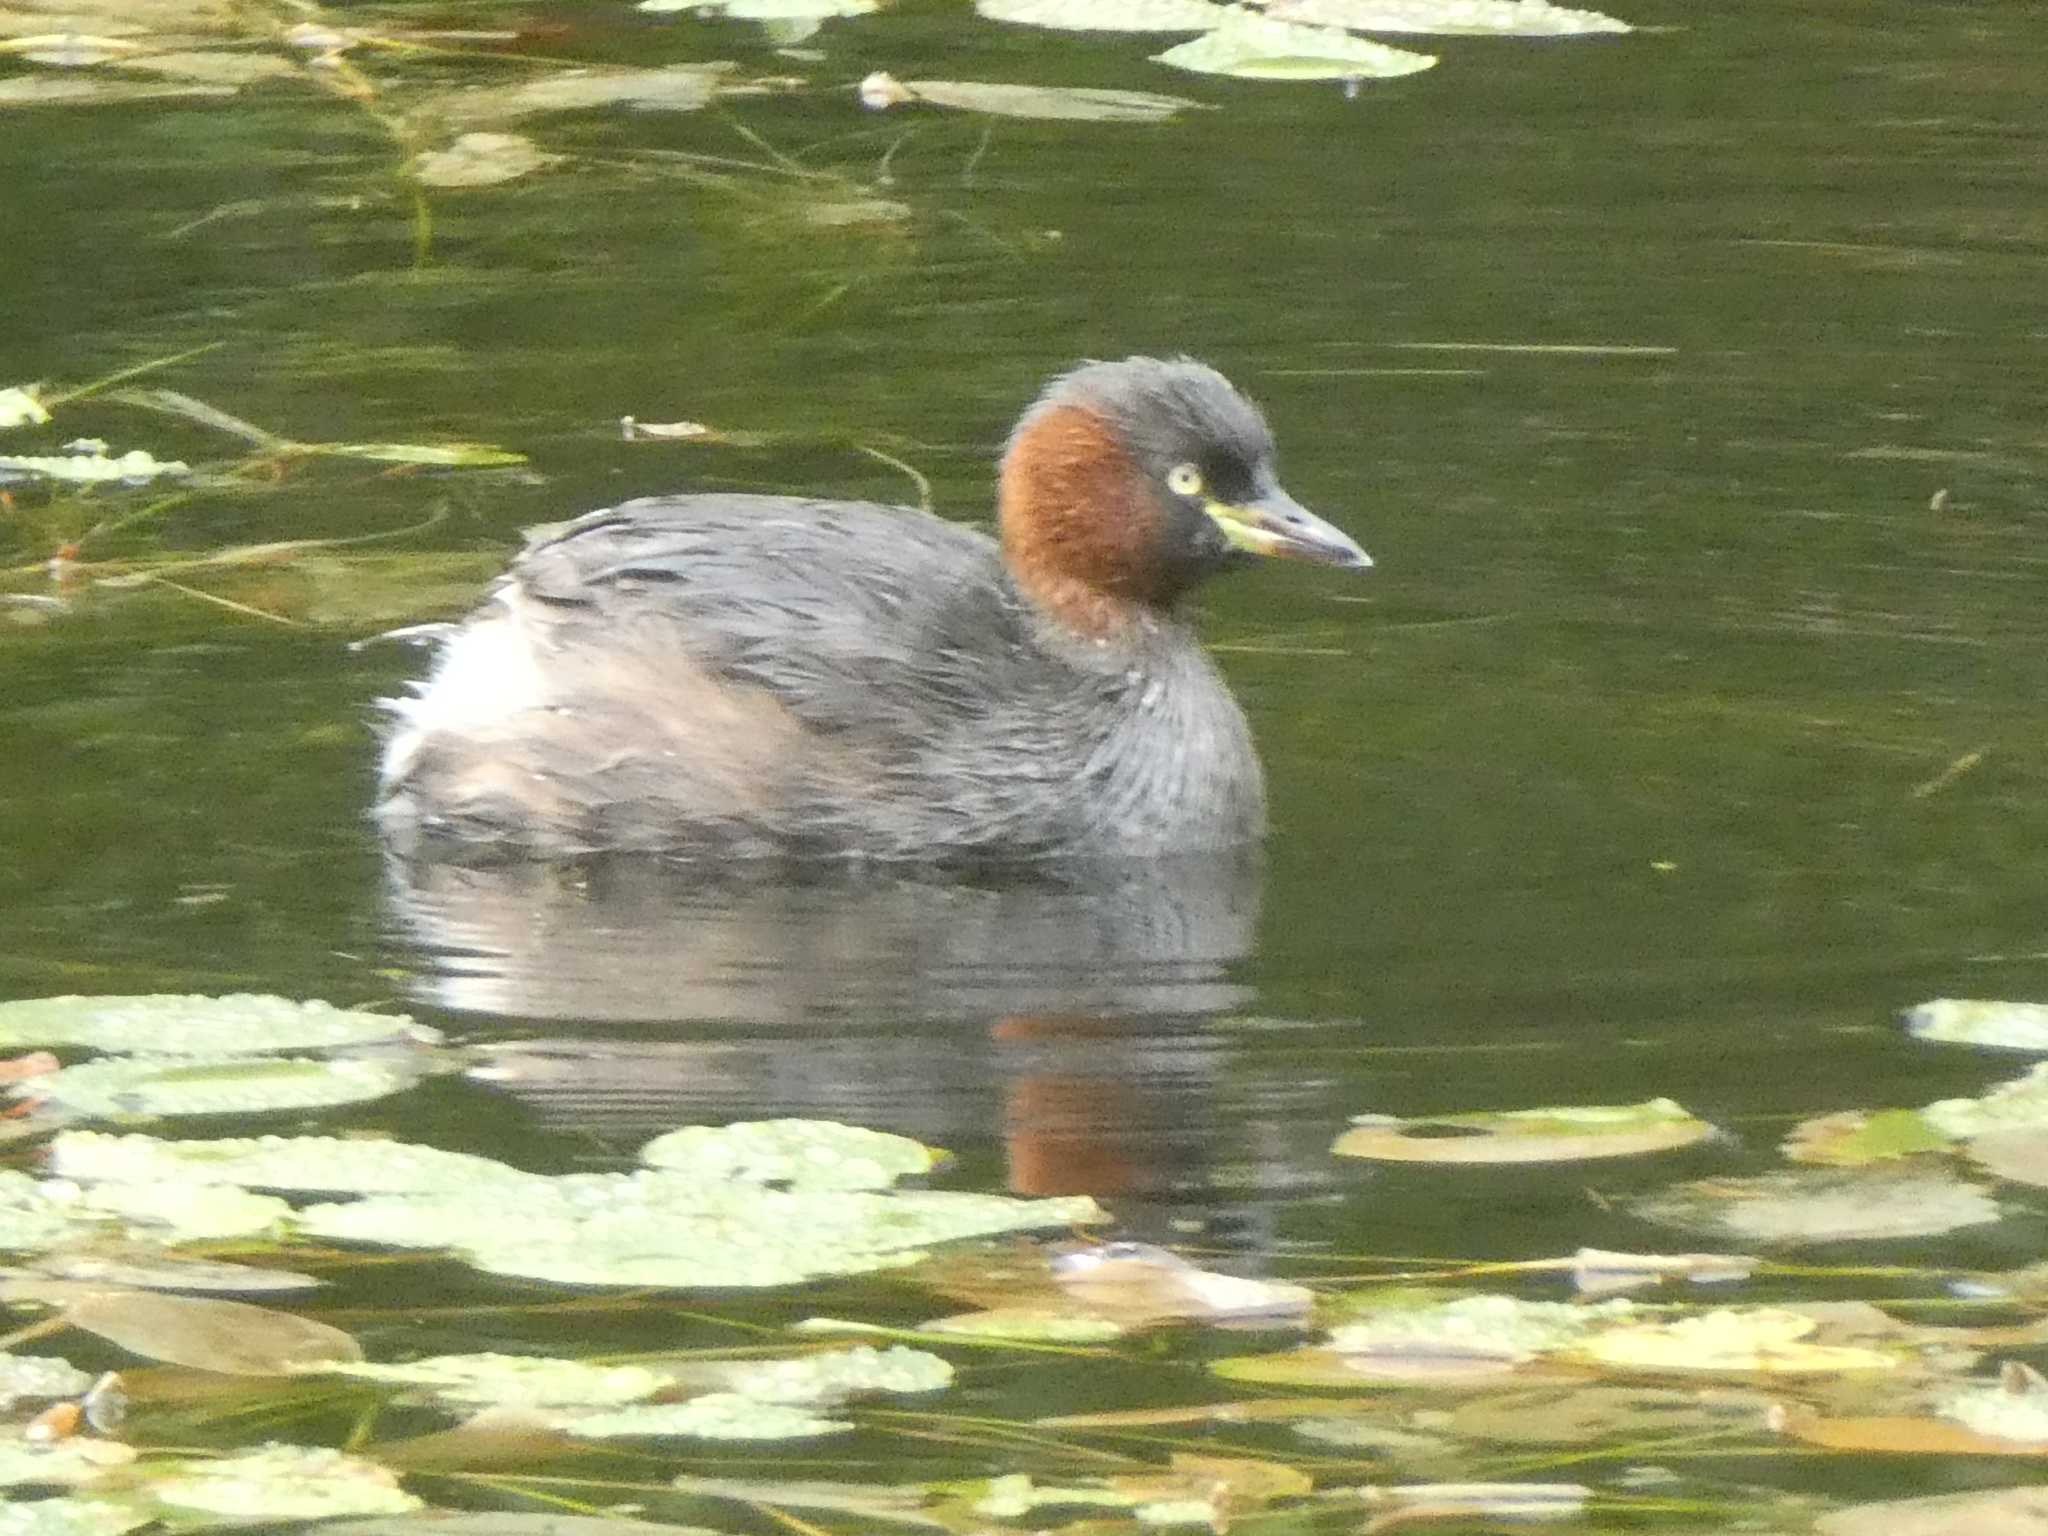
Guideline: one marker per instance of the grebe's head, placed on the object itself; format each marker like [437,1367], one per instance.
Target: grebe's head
[1127,483]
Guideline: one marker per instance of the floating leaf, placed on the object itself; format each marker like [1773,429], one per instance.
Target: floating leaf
[2015,1407]
[1517,1502]
[215,67]
[516,1380]
[37,1214]
[673,88]
[1986,1512]
[1255,48]
[1568,1134]
[70,1517]
[1490,18]
[803,1154]
[1136,1284]
[137,1087]
[1962,1021]
[280,1482]
[2019,1155]
[232,1338]
[238,1024]
[1108,15]
[714,1416]
[1597,1272]
[1822,1206]
[767,10]
[1592,1415]
[667,1229]
[2022,1101]
[1503,1328]
[1900,1435]
[1745,1340]
[434,455]
[132,467]
[1043,1325]
[504,1522]
[1854,1137]
[480,160]
[1049,102]
[323,1164]
[139,1268]
[19,407]
[28,1378]
[69,1463]
[50,91]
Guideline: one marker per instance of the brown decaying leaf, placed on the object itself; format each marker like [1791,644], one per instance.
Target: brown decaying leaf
[228,1337]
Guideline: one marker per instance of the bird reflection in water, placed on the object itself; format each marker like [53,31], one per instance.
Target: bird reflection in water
[1066,1011]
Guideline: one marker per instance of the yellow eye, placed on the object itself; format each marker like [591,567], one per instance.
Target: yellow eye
[1184,480]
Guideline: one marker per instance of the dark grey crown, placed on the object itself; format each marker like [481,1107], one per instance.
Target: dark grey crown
[1168,411]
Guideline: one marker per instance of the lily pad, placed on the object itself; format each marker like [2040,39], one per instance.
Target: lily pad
[767,10]
[1044,1325]
[1107,15]
[803,1154]
[1252,47]
[1854,1137]
[279,1482]
[315,1164]
[666,1229]
[136,1267]
[1485,18]
[69,1463]
[1965,1021]
[167,1025]
[1984,1512]
[40,1214]
[2021,1101]
[516,1380]
[480,160]
[70,1517]
[142,1087]
[1822,1206]
[1136,1284]
[1733,1340]
[1486,1327]
[714,1416]
[1570,1134]
[132,468]
[2015,1407]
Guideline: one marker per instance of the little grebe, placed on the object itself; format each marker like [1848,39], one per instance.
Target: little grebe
[750,675]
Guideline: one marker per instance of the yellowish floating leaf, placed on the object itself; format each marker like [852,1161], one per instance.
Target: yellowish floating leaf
[1854,1137]
[1744,1340]
[1485,18]
[480,160]
[1108,15]
[1898,1435]
[1570,1134]
[436,455]
[1044,1325]
[1252,47]
[1967,1021]
[278,1482]
[2015,1407]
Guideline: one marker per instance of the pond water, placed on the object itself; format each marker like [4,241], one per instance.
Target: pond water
[1689,388]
